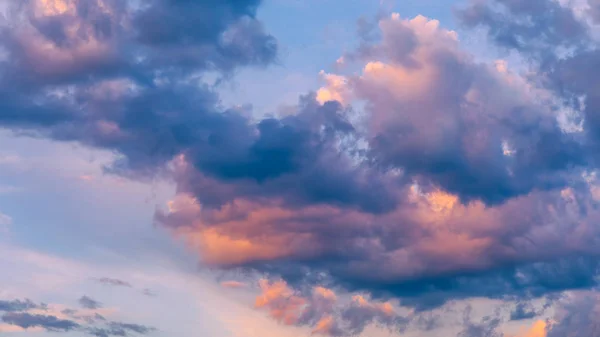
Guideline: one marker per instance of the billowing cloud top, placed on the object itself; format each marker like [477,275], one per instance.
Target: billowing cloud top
[425,176]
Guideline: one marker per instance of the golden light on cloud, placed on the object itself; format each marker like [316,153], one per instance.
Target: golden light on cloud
[325,293]
[441,201]
[220,248]
[55,7]
[324,325]
[539,329]
[283,304]
[335,89]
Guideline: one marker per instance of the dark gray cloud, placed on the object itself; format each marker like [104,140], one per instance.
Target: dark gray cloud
[18,305]
[523,310]
[208,33]
[89,303]
[51,323]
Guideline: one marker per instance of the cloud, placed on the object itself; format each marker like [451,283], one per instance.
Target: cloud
[119,329]
[48,322]
[324,313]
[561,49]
[89,303]
[557,26]
[539,329]
[488,327]
[470,157]
[523,310]
[451,182]
[17,305]
[467,110]
[26,314]
[113,282]
[577,316]
[595,10]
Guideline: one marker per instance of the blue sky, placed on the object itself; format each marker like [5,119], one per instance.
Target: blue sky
[312,41]
[425,186]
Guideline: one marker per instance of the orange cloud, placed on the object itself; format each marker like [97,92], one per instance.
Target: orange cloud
[283,305]
[324,326]
[335,89]
[539,329]
[233,284]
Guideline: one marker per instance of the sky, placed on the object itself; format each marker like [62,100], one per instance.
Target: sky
[287,168]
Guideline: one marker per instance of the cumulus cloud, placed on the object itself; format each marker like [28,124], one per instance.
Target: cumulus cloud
[595,10]
[450,183]
[552,25]
[471,169]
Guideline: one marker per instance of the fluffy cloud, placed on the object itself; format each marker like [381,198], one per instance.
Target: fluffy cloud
[325,313]
[551,26]
[450,183]
[467,172]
